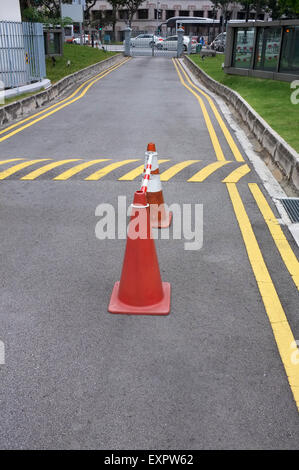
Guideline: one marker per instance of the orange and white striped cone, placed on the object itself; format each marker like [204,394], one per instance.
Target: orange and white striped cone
[160,216]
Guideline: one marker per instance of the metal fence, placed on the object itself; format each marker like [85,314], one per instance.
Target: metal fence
[22,53]
[151,45]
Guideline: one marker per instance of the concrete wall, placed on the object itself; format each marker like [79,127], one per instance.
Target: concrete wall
[10,10]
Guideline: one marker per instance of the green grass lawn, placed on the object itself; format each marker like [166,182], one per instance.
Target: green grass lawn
[79,56]
[270,98]
[17,98]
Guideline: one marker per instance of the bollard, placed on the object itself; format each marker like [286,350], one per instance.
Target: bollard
[189,49]
[127,51]
[180,32]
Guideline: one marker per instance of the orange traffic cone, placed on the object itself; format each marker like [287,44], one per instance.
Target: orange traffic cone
[140,290]
[160,216]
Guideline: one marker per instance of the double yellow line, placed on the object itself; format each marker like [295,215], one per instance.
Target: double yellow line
[198,93]
[31,120]
[282,332]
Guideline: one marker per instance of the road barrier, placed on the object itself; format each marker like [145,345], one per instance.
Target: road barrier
[140,290]
[160,216]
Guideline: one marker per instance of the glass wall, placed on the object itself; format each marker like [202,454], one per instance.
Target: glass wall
[243,47]
[289,62]
[267,50]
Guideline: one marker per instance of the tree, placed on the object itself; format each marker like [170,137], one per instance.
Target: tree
[43,11]
[223,6]
[116,6]
[290,8]
[87,12]
[274,9]
[132,7]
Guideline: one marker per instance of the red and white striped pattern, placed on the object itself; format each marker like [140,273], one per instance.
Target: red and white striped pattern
[147,173]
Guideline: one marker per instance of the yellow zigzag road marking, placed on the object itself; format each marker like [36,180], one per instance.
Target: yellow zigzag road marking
[107,169]
[76,169]
[278,236]
[225,130]
[202,174]
[131,175]
[40,171]
[280,326]
[212,133]
[60,106]
[173,170]
[237,174]
[13,169]
[2,162]
[166,175]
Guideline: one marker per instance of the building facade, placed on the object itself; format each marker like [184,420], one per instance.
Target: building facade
[10,10]
[152,14]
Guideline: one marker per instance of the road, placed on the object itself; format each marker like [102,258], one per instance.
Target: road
[211,375]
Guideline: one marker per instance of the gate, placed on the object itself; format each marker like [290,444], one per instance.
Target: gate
[22,53]
[151,45]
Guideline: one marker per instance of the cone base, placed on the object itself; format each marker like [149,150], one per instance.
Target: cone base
[161,308]
[163,223]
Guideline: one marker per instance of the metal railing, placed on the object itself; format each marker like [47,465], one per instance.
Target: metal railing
[22,53]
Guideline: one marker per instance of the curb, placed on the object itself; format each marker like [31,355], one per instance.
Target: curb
[22,107]
[37,86]
[280,151]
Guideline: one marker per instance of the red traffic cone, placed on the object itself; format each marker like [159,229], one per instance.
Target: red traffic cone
[160,216]
[140,290]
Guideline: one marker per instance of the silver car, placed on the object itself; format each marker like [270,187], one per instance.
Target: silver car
[171,43]
[146,40]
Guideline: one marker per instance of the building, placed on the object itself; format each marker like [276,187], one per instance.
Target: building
[263,49]
[10,10]
[152,14]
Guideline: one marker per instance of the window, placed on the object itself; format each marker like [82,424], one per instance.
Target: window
[184,13]
[170,14]
[108,13]
[290,50]
[142,14]
[211,14]
[241,15]
[68,31]
[268,42]
[200,13]
[96,15]
[123,14]
[243,47]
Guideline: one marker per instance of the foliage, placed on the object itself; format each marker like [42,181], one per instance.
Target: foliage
[43,11]
[132,7]
[290,7]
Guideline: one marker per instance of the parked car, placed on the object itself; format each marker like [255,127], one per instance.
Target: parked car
[146,40]
[171,43]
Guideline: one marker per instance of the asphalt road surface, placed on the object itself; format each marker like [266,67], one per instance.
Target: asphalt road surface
[216,373]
